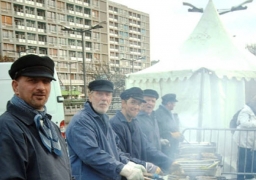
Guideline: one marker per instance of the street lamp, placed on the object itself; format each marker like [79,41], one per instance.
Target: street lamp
[132,60]
[82,32]
[19,51]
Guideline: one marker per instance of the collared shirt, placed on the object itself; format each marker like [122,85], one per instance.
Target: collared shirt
[149,126]
[93,147]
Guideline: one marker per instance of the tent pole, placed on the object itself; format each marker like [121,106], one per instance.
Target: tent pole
[200,110]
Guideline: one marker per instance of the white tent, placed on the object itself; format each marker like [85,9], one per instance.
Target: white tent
[210,75]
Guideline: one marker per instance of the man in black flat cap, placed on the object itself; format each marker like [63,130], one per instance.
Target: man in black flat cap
[132,139]
[31,145]
[92,142]
[168,124]
[147,119]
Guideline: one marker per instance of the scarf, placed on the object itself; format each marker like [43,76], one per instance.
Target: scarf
[45,128]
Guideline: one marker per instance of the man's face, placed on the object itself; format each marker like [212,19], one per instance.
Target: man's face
[149,106]
[100,100]
[33,90]
[171,105]
[131,107]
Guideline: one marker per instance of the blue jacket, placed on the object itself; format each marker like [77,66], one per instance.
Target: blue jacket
[93,147]
[149,126]
[167,123]
[22,153]
[134,142]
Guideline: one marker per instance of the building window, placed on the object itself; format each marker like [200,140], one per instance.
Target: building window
[7,20]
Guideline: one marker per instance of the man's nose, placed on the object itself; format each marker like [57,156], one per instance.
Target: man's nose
[40,85]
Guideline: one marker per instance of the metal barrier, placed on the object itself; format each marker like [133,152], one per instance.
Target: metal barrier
[224,145]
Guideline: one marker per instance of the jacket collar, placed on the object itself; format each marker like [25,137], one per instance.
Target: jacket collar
[165,109]
[91,111]
[26,118]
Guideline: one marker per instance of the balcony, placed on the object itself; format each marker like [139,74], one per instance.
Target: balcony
[41,30]
[71,23]
[79,13]
[30,15]
[78,2]
[20,27]
[40,17]
[71,12]
[19,13]
[31,41]
[29,2]
[41,43]
[31,29]
[21,40]
[87,37]
[39,4]
[79,25]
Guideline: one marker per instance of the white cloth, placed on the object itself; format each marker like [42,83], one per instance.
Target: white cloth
[246,120]
[131,173]
[138,166]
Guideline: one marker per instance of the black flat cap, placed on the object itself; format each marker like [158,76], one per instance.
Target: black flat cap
[150,93]
[169,98]
[32,66]
[134,92]
[101,85]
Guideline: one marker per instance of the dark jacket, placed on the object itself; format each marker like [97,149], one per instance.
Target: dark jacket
[149,126]
[134,142]
[167,123]
[93,147]
[22,154]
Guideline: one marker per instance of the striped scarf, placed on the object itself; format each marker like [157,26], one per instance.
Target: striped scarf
[46,130]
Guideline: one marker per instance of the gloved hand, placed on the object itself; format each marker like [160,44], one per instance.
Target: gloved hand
[138,166]
[151,168]
[165,142]
[176,135]
[131,173]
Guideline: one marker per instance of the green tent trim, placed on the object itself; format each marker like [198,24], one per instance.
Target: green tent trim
[67,93]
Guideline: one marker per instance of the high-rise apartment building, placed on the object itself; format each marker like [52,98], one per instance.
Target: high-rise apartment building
[36,26]
[129,38]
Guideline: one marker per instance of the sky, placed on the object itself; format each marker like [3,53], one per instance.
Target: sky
[171,23]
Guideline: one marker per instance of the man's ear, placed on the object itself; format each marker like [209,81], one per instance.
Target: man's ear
[15,87]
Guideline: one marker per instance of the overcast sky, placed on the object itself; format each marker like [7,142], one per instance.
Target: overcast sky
[171,23]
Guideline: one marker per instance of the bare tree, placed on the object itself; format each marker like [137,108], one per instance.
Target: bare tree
[6,59]
[116,77]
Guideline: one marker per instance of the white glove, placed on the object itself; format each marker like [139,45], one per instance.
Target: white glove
[138,166]
[151,168]
[131,173]
[165,142]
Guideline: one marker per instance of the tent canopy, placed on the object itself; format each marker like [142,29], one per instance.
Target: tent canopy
[209,74]
[210,47]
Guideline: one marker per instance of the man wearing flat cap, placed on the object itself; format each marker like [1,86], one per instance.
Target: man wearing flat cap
[168,123]
[31,145]
[147,119]
[92,143]
[132,139]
